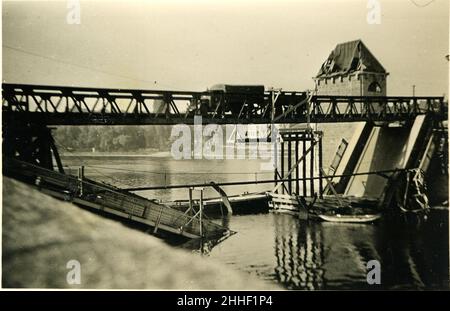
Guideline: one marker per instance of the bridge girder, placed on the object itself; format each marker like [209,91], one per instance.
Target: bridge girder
[56,105]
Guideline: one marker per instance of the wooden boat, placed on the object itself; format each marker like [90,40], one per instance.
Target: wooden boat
[329,208]
[350,218]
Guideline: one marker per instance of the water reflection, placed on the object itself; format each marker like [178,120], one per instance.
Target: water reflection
[299,254]
[415,255]
[311,255]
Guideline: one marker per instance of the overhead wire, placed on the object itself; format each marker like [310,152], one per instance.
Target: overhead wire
[420,5]
[90,68]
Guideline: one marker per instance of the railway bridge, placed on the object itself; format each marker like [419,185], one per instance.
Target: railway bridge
[57,105]
[29,111]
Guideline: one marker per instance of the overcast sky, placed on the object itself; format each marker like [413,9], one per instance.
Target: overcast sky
[191,45]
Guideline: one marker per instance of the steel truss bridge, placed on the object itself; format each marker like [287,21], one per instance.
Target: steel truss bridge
[59,105]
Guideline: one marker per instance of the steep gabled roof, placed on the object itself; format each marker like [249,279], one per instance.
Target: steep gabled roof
[348,57]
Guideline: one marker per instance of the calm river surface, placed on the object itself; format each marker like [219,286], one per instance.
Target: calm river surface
[281,248]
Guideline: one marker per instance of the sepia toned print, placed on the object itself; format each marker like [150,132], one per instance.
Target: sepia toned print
[238,145]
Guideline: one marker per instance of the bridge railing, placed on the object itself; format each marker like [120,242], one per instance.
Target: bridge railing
[341,108]
[81,105]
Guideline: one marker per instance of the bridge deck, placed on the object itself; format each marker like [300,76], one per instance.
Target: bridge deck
[57,105]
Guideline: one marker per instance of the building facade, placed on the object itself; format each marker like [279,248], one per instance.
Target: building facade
[352,70]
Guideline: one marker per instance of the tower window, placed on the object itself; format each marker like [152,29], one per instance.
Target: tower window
[374,87]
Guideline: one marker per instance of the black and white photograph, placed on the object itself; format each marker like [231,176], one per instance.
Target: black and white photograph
[213,145]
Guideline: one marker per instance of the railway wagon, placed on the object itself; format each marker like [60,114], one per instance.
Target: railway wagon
[244,101]
[226,99]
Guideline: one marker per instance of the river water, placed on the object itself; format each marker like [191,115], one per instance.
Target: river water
[283,249]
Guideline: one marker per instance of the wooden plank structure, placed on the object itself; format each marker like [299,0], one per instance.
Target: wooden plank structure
[307,201]
[285,193]
[114,201]
[311,148]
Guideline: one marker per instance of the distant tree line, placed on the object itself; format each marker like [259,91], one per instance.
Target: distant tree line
[112,138]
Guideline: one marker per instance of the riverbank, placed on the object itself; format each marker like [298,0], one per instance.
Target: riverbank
[41,235]
[142,154]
